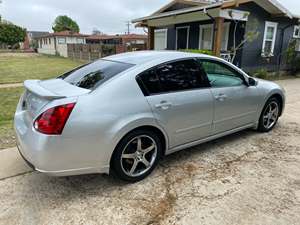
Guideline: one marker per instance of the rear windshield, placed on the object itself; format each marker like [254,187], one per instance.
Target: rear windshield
[94,74]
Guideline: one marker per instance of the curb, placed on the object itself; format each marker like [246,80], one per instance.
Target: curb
[12,164]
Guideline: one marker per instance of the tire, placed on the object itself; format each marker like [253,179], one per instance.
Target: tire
[264,125]
[128,154]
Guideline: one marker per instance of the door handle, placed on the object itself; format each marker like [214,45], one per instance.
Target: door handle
[164,105]
[221,97]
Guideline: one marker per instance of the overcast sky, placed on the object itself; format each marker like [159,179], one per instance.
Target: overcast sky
[109,16]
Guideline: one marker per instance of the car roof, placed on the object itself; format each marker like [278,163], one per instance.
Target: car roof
[143,57]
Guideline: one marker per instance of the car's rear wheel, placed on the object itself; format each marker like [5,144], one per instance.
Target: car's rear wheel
[136,155]
[269,115]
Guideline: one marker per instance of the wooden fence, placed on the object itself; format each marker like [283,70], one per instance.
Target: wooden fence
[91,52]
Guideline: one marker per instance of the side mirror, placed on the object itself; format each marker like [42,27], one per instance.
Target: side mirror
[252,82]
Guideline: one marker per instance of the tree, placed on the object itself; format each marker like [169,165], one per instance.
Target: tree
[63,23]
[251,34]
[11,34]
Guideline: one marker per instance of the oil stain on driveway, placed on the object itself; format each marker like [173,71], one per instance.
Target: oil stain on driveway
[246,178]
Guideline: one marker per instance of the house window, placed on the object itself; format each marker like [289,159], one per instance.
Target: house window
[49,41]
[297,31]
[160,39]
[206,37]
[80,41]
[269,39]
[61,40]
[140,42]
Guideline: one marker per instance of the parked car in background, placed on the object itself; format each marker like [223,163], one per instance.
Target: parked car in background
[122,113]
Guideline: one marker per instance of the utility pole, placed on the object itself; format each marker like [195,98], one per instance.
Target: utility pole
[128,23]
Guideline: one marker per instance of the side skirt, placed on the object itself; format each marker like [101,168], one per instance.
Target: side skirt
[210,138]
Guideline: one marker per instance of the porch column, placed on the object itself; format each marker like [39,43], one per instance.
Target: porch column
[151,31]
[218,36]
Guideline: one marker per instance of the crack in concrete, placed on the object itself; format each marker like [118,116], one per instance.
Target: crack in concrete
[17,175]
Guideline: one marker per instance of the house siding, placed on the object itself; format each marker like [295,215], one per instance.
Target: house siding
[57,48]
[49,48]
[251,59]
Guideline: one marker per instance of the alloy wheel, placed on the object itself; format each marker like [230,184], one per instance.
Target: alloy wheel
[270,115]
[138,156]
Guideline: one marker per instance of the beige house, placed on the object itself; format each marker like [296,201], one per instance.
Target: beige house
[56,43]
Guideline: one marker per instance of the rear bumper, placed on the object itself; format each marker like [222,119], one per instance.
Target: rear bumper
[57,155]
[27,162]
[65,172]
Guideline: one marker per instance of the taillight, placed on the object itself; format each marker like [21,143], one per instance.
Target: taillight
[53,120]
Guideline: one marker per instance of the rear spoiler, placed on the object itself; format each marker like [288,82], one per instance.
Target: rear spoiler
[35,87]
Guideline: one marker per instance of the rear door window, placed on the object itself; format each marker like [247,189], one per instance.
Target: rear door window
[172,77]
[181,75]
[94,74]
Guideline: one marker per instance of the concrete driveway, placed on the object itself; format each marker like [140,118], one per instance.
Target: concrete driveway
[246,178]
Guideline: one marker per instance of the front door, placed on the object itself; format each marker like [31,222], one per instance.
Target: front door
[235,102]
[182,37]
[180,100]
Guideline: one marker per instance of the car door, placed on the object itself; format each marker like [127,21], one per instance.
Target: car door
[180,99]
[235,101]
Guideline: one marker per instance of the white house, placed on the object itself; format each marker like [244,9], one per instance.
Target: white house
[56,43]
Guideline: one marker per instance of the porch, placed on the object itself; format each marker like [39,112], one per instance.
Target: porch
[206,28]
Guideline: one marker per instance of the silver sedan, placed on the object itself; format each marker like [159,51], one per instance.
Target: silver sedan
[119,115]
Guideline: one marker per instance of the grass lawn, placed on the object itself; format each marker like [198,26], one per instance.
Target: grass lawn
[9,98]
[17,67]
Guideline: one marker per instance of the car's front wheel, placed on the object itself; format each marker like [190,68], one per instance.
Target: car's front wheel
[136,155]
[269,115]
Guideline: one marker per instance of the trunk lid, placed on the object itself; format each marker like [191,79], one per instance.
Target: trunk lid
[40,93]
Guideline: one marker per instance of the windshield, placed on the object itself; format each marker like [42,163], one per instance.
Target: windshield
[94,74]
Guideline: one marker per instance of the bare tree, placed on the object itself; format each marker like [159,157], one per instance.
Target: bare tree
[251,34]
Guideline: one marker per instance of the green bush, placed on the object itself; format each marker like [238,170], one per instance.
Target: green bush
[261,73]
[292,57]
[198,51]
